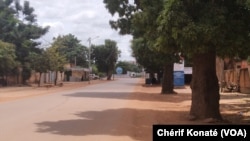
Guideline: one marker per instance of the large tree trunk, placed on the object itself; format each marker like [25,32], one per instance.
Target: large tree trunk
[39,81]
[159,77]
[167,82]
[205,88]
[55,80]
[109,74]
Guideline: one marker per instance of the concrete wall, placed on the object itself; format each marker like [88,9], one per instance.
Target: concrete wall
[46,77]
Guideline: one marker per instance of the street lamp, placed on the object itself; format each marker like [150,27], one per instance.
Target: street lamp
[89,40]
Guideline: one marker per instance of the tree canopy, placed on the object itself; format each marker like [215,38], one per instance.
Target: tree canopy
[7,59]
[139,20]
[18,26]
[105,57]
[72,49]
[201,29]
[128,67]
[199,26]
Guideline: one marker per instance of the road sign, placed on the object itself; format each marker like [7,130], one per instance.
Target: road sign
[119,70]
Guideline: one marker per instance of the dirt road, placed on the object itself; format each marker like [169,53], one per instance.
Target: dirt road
[146,106]
[13,93]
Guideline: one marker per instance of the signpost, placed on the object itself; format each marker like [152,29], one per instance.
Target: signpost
[119,70]
[179,74]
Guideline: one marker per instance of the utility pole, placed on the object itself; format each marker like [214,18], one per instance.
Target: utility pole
[90,70]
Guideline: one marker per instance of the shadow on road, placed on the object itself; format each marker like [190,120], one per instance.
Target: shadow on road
[234,108]
[133,96]
[134,123]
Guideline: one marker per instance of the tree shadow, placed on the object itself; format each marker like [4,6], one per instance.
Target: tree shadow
[236,107]
[134,123]
[234,96]
[235,111]
[140,96]
[137,123]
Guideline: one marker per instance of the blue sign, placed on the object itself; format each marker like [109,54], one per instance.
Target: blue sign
[119,70]
[179,78]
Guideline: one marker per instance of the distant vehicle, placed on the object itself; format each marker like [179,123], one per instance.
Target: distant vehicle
[93,76]
[133,74]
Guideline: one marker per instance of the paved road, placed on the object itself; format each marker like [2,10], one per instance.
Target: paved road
[85,114]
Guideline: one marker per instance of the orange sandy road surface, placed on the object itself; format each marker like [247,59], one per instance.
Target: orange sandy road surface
[13,93]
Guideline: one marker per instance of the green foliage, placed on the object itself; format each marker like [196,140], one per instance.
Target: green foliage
[94,69]
[145,19]
[248,59]
[117,6]
[26,72]
[54,59]
[202,26]
[125,11]
[7,58]
[105,56]
[39,62]
[101,74]
[145,56]
[148,42]
[18,26]
[128,66]
[71,47]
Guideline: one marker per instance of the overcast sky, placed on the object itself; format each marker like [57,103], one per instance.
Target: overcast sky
[82,18]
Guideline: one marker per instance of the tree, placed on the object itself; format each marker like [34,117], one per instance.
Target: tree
[55,60]
[7,19]
[39,64]
[147,57]
[139,19]
[7,60]
[125,12]
[128,66]
[18,26]
[74,51]
[203,29]
[106,56]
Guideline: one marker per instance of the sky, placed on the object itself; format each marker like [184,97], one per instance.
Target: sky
[83,18]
